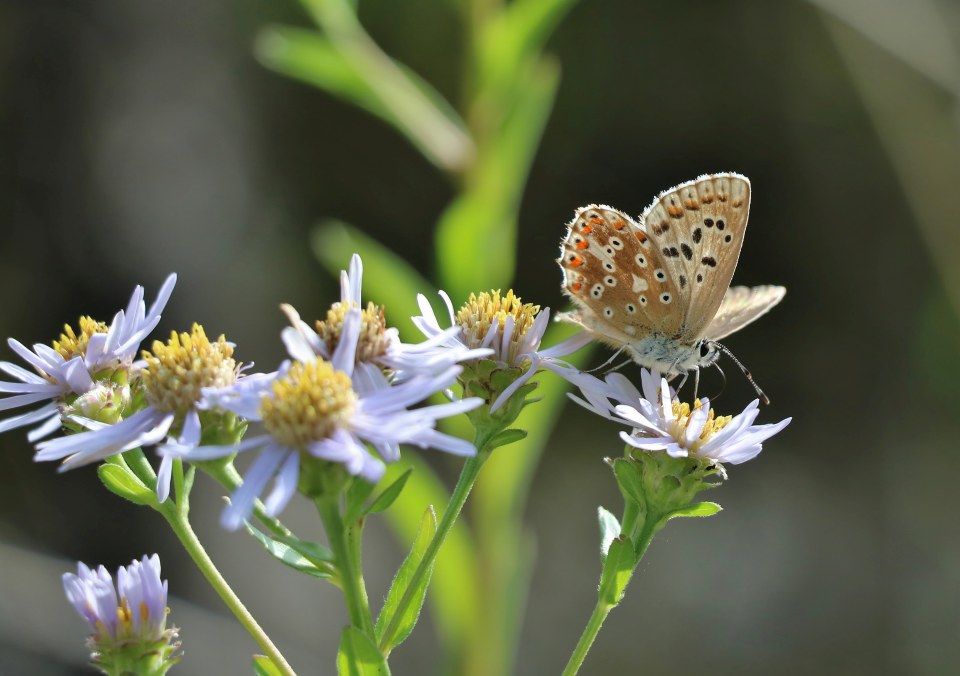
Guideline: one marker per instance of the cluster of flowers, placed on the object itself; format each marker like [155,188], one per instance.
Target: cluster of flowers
[350,386]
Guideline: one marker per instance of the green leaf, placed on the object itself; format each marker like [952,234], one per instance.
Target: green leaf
[617,569]
[476,236]
[121,481]
[263,666]
[455,599]
[355,499]
[609,530]
[507,437]
[358,655]
[361,74]
[629,480]
[428,526]
[315,565]
[699,509]
[387,278]
[390,494]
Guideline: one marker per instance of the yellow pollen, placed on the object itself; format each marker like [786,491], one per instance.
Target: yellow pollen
[308,403]
[71,344]
[177,371]
[477,315]
[372,342]
[713,425]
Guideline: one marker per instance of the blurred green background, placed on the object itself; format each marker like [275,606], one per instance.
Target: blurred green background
[140,138]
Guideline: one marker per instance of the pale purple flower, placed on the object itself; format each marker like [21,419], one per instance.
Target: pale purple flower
[57,378]
[376,413]
[661,422]
[508,349]
[403,360]
[135,609]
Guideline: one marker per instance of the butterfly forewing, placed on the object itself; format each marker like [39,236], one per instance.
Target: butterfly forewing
[697,230]
[614,274]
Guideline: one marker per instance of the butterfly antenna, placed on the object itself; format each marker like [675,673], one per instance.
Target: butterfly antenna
[723,377]
[763,397]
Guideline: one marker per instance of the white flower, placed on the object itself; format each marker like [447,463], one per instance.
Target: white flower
[511,329]
[379,346]
[173,379]
[71,368]
[661,422]
[313,409]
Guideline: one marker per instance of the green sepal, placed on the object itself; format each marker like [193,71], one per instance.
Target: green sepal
[428,526]
[618,568]
[609,531]
[629,480]
[358,655]
[507,437]
[120,480]
[303,556]
[264,666]
[700,509]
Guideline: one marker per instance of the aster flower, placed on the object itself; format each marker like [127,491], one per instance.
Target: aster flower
[511,329]
[172,382]
[92,362]
[129,634]
[661,422]
[379,346]
[313,412]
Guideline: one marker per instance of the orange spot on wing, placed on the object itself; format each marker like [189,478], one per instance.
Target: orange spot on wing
[583,244]
[596,220]
[575,287]
[619,225]
[586,230]
[641,236]
[576,262]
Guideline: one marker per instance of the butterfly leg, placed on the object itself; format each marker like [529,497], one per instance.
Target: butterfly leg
[610,361]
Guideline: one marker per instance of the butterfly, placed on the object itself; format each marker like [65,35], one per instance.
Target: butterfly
[659,289]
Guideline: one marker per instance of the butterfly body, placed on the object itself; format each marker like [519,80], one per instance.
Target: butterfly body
[659,288]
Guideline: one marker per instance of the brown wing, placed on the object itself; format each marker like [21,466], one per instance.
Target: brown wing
[615,275]
[698,227]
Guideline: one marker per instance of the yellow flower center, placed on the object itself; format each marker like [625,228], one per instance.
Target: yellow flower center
[372,342]
[714,424]
[72,344]
[478,313]
[308,403]
[177,371]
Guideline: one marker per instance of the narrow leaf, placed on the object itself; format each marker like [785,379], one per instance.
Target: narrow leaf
[356,498]
[428,526]
[390,494]
[617,570]
[121,481]
[508,437]
[629,480]
[263,666]
[358,655]
[699,509]
[609,530]
[290,556]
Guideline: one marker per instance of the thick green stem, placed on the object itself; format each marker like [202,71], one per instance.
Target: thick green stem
[347,554]
[181,526]
[651,524]
[468,477]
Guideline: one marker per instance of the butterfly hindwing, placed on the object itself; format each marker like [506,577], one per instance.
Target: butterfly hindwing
[697,228]
[741,305]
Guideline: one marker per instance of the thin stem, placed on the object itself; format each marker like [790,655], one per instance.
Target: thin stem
[351,577]
[181,526]
[651,524]
[468,477]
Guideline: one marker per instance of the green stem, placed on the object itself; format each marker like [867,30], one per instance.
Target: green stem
[603,607]
[181,526]
[351,577]
[468,477]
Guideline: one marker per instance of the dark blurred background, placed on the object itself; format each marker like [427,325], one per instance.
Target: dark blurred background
[140,138]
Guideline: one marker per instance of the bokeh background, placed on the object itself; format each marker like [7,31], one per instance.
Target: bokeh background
[140,138]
